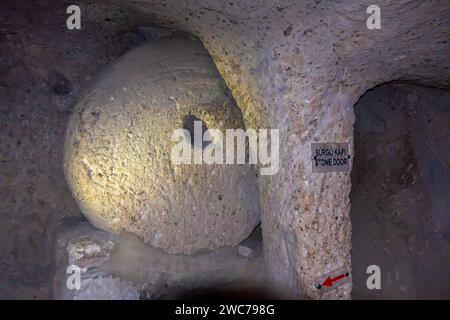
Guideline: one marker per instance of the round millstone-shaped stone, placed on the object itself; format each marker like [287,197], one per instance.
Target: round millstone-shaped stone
[117,157]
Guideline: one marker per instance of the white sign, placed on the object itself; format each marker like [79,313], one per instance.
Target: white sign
[330,157]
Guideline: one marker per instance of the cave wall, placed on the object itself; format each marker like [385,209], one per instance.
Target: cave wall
[300,67]
[296,66]
[44,68]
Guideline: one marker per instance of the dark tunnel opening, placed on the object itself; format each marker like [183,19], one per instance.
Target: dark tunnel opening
[400,192]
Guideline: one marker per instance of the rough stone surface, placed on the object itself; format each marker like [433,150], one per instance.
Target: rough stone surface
[294,65]
[37,52]
[82,246]
[118,152]
[125,268]
[300,66]
[79,243]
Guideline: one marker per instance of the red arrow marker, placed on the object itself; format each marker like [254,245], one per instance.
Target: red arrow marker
[329,281]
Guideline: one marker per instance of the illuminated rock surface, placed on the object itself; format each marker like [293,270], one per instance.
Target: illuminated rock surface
[118,152]
[299,66]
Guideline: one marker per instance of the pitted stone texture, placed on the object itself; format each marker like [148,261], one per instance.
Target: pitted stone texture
[85,249]
[300,66]
[79,243]
[118,152]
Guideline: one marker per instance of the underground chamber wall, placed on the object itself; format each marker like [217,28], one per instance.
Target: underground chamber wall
[36,109]
[400,192]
